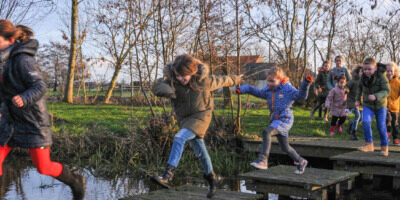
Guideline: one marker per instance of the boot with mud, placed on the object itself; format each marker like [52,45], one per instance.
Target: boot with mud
[75,182]
[165,179]
[212,184]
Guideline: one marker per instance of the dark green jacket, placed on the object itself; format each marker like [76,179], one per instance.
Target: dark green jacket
[352,85]
[321,82]
[377,85]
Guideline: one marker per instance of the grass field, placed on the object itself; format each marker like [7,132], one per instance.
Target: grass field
[123,120]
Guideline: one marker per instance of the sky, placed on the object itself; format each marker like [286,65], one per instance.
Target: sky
[48,29]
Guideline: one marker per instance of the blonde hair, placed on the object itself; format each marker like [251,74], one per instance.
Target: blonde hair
[370,61]
[395,68]
[277,72]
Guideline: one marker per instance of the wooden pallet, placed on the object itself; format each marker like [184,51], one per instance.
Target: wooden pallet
[370,163]
[317,147]
[314,183]
[193,193]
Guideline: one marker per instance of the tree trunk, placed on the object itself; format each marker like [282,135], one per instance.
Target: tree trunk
[239,108]
[69,87]
[112,84]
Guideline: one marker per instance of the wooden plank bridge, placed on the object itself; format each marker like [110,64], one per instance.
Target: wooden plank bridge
[314,183]
[316,147]
[348,163]
[193,193]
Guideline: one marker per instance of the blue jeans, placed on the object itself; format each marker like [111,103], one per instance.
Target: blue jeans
[356,119]
[198,146]
[368,114]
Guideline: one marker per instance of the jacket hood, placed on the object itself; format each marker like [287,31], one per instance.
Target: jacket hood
[4,54]
[202,72]
[28,47]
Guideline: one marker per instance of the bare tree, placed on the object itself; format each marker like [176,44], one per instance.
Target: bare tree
[25,11]
[69,88]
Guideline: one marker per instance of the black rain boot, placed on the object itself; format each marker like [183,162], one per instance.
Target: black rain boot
[166,177]
[212,184]
[74,181]
[353,135]
[350,128]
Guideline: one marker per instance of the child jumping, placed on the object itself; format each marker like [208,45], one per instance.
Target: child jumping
[352,85]
[25,122]
[337,71]
[280,95]
[337,103]
[392,120]
[374,89]
[188,84]
[321,90]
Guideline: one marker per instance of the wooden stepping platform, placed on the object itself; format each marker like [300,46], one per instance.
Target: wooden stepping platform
[193,193]
[314,183]
[370,163]
[314,146]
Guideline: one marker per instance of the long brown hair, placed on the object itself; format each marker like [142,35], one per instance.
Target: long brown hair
[17,33]
[186,65]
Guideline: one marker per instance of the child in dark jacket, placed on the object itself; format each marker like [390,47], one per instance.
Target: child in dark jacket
[352,85]
[374,89]
[321,90]
[280,95]
[188,84]
[25,122]
[336,102]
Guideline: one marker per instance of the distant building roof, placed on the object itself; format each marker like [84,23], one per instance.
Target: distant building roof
[246,59]
[257,71]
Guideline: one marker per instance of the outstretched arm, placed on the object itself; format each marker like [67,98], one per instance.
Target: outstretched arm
[215,82]
[248,89]
[302,93]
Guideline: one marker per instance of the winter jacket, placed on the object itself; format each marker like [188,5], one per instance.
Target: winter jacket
[352,85]
[336,101]
[280,100]
[331,80]
[4,54]
[192,103]
[377,85]
[321,83]
[28,126]
[393,99]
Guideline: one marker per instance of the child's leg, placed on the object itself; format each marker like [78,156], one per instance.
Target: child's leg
[381,125]
[334,120]
[285,147]
[201,152]
[341,120]
[367,116]
[41,159]
[389,121]
[266,144]
[395,125]
[4,150]
[356,119]
[180,139]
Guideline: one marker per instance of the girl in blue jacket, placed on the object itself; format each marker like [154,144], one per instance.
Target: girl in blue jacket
[280,95]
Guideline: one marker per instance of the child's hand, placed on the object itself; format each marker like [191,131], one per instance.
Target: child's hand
[371,97]
[316,92]
[320,89]
[357,103]
[238,91]
[17,101]
[309,79]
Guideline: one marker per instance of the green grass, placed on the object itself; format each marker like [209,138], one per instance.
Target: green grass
[123,120]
